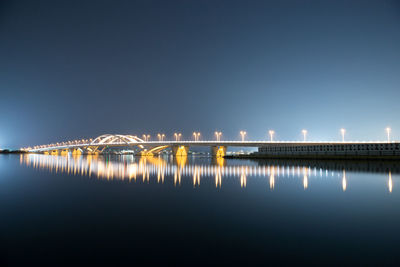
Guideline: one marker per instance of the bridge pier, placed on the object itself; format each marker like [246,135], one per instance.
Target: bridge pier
[218,151]
[64,152]
[76,151]
[146,153]
[180,151]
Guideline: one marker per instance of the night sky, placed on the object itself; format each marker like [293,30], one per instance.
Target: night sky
[79,69]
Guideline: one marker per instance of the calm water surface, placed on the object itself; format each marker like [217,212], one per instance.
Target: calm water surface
[122,210]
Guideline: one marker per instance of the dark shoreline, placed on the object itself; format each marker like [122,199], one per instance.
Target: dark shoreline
[6,151]
[314,157]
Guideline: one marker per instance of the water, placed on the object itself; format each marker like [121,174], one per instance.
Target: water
[194,211]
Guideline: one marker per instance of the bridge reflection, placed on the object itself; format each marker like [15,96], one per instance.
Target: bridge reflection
[162,169]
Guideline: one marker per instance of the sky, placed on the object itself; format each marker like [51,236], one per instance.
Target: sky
[80,69]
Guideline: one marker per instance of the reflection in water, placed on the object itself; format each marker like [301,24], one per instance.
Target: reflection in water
[129,168]
[344,182]
[272,179]
[218,178]
[196,176]
[243,177]
[305,179]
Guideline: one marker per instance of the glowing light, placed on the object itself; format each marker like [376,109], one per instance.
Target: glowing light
[243,134]
[305,178]
[181,151]
[304,135]
[146,137]
[243,178]
[218,180]
[272,179]
[218,135]
[219,151]
[388,130]
[344,181]
[177,136]
[196,177]
[161,137]
[271,135]
[342,131]
[196,136]
[390,183]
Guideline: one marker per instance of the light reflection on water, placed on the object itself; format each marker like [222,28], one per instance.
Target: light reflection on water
[136,207]
[132,169]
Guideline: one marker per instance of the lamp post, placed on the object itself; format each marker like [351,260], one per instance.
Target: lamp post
[271,134]
[304,134]
[177,136]
[160,137]
[342,131]
[243,134]
[146,137]
[218,136]
[196,136]
[388,130]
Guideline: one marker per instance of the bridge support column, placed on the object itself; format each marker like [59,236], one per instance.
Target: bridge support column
[76,151]
[180,151]
[64,152]
[146,153]
[218,151]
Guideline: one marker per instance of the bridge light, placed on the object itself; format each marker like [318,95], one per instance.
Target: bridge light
[342,131]
[160,137]
[218,136]
[146,137]
[243,134]
[388,130]
[271,135]
[177,136]
[196,136]
[304,134]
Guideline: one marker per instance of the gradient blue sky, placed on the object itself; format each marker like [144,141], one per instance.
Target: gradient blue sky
[79,69]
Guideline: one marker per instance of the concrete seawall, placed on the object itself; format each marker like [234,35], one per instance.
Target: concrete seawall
[367,150]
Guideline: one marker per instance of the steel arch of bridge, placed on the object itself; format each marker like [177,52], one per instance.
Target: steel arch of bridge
[115,139]
[96,145]
[100,143]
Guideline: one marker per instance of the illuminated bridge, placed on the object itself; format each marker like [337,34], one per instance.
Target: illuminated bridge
[273,149]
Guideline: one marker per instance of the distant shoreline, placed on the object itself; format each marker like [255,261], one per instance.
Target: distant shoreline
[7,151]
[314,157]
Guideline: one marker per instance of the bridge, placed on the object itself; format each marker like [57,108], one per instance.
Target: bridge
[273,149]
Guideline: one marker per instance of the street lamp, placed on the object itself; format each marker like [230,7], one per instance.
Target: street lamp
[243,134]
[271,134]
[196,136]
[177,136]
[304,134]
[146,137]
[218,136]
[388,130]
[160,137]
[342,131]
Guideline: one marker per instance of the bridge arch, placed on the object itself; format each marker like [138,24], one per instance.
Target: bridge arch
[154,150]
[112,139]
